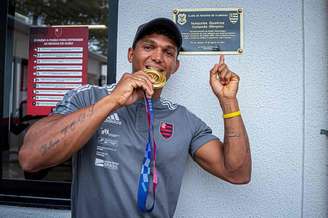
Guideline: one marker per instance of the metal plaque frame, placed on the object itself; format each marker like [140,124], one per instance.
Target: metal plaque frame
[215,14]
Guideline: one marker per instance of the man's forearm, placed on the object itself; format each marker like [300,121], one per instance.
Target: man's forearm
[236,145]
[54,139]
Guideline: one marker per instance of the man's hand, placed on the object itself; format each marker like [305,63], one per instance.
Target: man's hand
[230,160]
[224,82]
[132,87]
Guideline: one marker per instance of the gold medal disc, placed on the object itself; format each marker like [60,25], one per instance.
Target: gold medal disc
[158,77]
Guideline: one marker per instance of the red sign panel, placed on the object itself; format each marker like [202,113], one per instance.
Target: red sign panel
[58,58]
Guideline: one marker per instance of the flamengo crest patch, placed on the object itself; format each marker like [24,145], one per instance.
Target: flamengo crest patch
[166,130]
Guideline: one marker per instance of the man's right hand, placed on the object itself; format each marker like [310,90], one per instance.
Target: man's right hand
[132,87]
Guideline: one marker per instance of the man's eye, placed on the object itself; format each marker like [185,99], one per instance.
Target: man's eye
[147,47]
[170,53]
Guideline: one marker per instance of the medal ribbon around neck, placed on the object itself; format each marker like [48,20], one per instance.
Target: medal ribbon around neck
[146,174]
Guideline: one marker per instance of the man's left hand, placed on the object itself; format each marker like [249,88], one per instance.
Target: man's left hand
[224,82]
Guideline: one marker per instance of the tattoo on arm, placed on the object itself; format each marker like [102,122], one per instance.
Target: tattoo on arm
[68,128]
[81,118]
[233,134]
[52,144]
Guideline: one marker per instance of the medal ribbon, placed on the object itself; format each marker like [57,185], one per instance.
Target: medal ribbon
[146,172]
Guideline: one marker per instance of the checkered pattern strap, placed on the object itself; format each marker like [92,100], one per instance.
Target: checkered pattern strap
[146,172]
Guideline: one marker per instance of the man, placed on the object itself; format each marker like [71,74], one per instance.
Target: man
[105,130]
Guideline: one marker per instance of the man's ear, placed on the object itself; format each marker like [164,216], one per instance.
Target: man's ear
[130,55]
[177,65]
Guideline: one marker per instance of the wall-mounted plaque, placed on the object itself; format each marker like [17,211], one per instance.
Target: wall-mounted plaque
[58,60]
[210,30]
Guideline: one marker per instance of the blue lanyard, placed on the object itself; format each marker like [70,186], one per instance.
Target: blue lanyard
[146,172]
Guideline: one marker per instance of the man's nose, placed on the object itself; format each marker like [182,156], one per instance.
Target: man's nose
[157,55]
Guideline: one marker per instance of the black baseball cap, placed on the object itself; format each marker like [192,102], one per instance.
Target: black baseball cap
[159,24]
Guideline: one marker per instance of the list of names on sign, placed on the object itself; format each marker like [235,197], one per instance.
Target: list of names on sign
[58,59]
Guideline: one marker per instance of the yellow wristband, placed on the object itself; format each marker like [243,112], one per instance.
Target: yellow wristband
[230,115]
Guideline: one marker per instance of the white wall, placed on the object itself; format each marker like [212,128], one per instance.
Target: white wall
[316,109]
[283,98]
[275,97]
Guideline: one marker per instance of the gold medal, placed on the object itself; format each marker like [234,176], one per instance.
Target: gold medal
[158,77]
